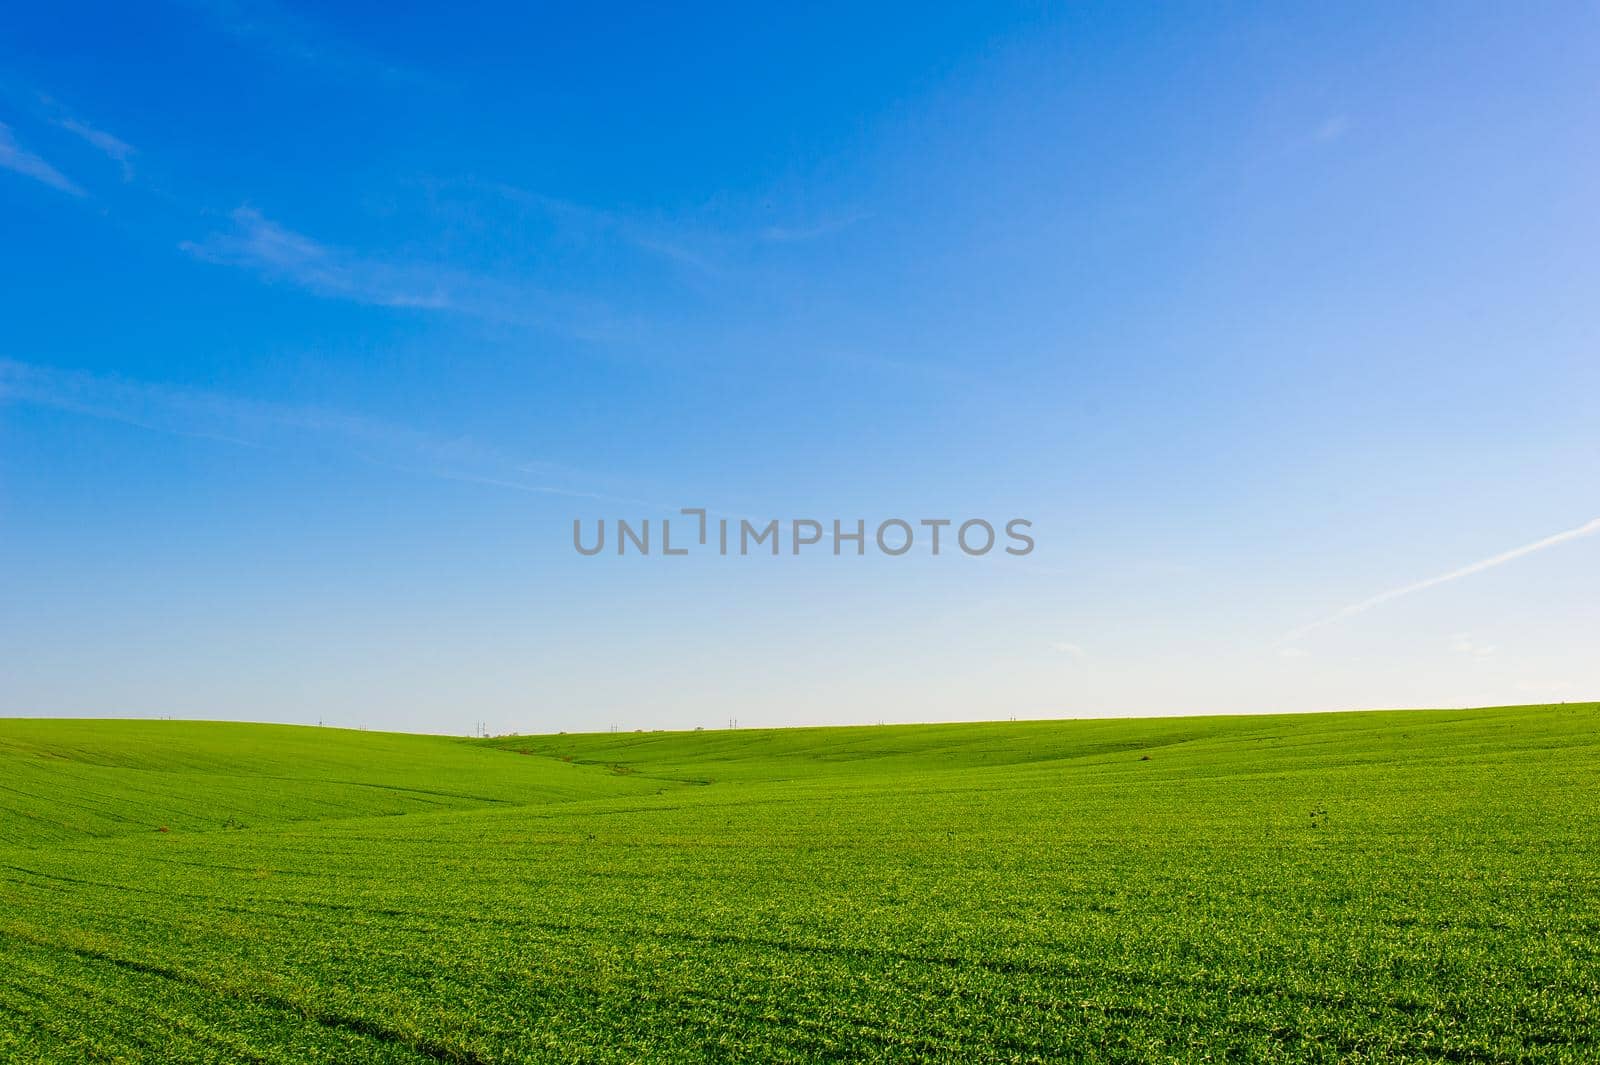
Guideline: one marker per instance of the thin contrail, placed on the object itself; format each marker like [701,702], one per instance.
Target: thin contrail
[1588,528]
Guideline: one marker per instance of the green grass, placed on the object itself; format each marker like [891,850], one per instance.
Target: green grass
[61,780]
[1416,885]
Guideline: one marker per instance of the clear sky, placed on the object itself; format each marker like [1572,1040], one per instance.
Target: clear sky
[322,323]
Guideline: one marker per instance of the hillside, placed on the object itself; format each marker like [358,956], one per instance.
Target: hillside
[1387,886]
[62,779]
[766,755]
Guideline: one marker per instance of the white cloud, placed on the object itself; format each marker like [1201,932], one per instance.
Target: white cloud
[1069,650]
[16,158]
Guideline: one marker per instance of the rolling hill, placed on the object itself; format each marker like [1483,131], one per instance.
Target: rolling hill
[1407,885]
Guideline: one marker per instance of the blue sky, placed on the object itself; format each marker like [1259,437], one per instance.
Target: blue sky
[323,324]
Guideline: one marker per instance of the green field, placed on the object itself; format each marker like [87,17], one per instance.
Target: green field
[1410,885]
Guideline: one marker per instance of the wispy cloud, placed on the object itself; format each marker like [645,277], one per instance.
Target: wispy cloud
[250,423]
[1331,129]
[796,234]
[653,237]
[276,31]
[1068,650]
[16,158]
[258,243]
[1588,528]
[276,252]
[113,148]
[700,243]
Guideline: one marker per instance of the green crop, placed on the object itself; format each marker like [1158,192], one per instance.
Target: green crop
[1416,885]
